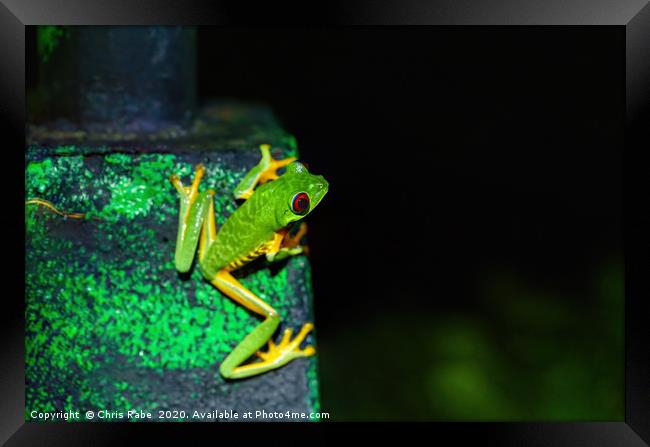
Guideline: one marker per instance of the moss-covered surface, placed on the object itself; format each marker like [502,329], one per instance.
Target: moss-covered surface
[109,322]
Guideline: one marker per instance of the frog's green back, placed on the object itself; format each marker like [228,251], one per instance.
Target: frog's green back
[254,223]
[243,232]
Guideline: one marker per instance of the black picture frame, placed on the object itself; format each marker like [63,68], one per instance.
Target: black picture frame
[632,17]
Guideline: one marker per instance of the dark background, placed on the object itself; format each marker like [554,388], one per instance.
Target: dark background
[467,261]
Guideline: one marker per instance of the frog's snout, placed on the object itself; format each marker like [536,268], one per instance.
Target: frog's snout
[322,184]
[321,187]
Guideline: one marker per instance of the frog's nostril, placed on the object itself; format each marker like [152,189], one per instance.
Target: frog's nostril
[321,182]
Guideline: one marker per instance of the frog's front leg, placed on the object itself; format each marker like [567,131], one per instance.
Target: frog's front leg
[264,171]
[288,245]
[278,355]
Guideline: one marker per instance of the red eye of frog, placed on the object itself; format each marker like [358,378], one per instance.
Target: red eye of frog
[300,203]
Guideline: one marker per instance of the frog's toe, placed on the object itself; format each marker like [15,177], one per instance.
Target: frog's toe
[175,180]
[286,337]
[308,351]
[294,345]
[271,165]
[192,190]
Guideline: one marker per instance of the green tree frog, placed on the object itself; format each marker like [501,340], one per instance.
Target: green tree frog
[260,226]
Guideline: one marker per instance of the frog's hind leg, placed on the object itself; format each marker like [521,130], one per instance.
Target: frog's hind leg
[277,355]
[209,229]
[192,213]
[264,171]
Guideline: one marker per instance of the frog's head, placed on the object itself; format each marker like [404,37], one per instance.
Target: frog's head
[297,193]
